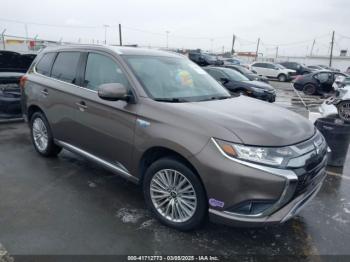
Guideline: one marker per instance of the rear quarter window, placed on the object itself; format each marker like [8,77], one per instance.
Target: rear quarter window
[65,66]
[258,65]
[44,65]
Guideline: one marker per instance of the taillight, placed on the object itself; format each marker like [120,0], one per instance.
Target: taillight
[22,81]
[299,77]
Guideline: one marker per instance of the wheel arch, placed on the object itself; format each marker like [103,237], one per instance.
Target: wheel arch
[157,152]
[32,109]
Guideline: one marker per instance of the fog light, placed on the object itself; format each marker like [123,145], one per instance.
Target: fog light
[252,207]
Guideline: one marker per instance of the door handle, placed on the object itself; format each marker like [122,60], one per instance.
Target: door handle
[45,92]
[82,105]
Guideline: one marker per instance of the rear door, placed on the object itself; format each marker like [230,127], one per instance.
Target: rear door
[62,95]
[104,128]
[325,80]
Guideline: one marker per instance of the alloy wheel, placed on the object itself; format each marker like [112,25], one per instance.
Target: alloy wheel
[40,134]
[173,195]
[344,111]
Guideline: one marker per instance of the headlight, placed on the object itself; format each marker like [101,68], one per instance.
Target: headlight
[258,90]
[272,156]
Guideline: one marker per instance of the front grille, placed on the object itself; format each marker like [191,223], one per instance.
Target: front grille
[306,177]
[313,165]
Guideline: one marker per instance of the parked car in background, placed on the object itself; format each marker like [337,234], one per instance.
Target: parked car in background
[319,82]
[161,121]
[247,73]
[13,65]
[237,83]
[315,67]
[324,67]
[299,68]
[271,70]
[204,59]
[348,70]
[15,62]
[231,61]
[339,104]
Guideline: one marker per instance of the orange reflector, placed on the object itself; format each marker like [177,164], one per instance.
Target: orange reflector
[229,150]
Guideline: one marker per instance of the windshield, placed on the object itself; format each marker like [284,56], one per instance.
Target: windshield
[210,57]
[280,66]
[234,75]
[245,71]
[175,79]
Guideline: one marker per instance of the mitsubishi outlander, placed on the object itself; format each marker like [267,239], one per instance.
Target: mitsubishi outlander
[159,120]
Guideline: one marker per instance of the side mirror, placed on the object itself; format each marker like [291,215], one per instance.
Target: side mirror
[113,92]
[224,80]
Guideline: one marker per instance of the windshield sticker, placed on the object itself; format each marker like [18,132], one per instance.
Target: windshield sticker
[184,78]
[216,203]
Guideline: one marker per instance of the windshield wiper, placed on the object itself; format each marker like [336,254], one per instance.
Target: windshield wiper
[219,97]
[170,100]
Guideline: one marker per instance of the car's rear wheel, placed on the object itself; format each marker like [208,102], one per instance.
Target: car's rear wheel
[344,110]
[309,89]
[42,136]
[282,78]
[175,194]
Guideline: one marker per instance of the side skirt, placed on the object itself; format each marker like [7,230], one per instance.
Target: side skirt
[111,167]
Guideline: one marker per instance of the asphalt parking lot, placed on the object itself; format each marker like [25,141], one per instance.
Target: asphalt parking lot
[68,205]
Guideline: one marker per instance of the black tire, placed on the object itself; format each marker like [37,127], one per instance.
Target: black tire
[282,78]
[51,150]
[344,110]
[201,209]
[309,89]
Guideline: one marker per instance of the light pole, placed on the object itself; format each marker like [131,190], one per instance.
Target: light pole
[3,38]
[167,39]
[105,26]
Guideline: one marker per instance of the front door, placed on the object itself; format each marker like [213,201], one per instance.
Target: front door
[104,128]
[326,81]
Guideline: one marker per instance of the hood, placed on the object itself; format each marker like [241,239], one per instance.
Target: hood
[289,70]
[259,84]
[253,121]
[256,84]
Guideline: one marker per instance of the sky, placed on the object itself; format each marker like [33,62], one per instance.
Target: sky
[292,25]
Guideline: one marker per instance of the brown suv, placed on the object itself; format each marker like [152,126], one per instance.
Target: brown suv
[159,120]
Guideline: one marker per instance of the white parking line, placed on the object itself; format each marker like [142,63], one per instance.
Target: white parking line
[338,175]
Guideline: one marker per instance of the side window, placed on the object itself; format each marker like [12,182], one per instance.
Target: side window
[258,65]
[100,70]
[270,66]
[323,77]
[294,66]
[193,56]
[338,75]
[45,63]
[65,66]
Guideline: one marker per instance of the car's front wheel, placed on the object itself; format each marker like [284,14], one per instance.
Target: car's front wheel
[344,110]
[42,136]
[175,194]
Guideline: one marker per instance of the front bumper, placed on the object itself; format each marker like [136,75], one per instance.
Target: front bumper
[230,183]
[281,215]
